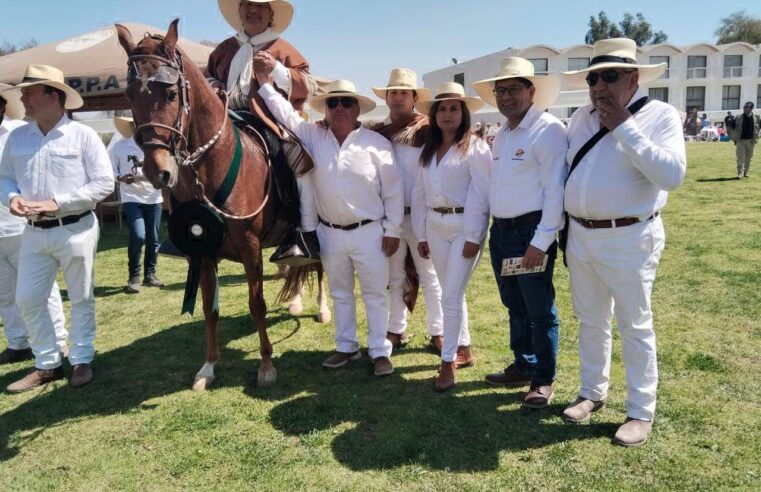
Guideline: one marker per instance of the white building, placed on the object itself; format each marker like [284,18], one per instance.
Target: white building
[714,79]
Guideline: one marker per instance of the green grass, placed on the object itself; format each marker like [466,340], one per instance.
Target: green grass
[139,427]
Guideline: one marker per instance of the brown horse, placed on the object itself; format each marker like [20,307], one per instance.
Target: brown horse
[189,142]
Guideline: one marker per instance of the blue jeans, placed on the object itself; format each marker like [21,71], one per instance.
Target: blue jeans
[144,221]
[530,301]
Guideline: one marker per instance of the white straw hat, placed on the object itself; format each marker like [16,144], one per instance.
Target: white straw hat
[341,88]
[53,77]
[547,87]
[14,109]
[283,13]
[449,91]
[403,79]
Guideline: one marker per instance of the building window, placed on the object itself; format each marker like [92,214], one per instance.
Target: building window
[460,78]
[655,60]
[696,67]
[696,98]
[730,97]
[659,93]
[540,65]
[573,110]
[577,64]
[733,66]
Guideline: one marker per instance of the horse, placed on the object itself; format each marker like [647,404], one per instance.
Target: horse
[189,144]
[294,298]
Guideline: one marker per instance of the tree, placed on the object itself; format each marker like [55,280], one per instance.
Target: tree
[633,27]
[739,27]
[7,48]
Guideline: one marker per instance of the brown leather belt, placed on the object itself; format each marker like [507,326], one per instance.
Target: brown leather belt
[407,210]
[348,227]
[449,210]
[610,223]
[50,223]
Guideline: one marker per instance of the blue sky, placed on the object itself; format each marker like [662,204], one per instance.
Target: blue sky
[362,40]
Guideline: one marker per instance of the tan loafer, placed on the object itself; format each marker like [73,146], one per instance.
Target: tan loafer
[398,340]
[446,378]
[36,378]
[81,375]
[464,356]
[633,433]
[581,410]
[382,366]
[340,359]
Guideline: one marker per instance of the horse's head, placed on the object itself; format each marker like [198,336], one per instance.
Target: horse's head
[157,91]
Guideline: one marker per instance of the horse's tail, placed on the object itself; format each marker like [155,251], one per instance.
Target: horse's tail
[295,278]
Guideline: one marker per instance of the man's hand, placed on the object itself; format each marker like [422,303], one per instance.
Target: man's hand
[469,250]
[126,178]
[46,206]
[534,257]
[18,207]
[390,245]
[611,112]
[264,64]
[423,250]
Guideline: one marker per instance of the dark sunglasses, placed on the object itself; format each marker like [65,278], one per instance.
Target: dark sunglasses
[346,102]
[608,76]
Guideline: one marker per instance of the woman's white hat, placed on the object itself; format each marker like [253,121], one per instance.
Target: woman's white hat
[449,91]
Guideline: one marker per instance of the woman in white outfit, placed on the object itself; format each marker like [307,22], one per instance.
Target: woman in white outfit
[450,213]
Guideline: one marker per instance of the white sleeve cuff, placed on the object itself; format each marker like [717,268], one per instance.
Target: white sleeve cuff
[281,76]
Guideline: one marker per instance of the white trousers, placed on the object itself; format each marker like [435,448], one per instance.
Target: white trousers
[612,271]
[397,317]
[445,241]
[15,331]
[70,248]
[343,253]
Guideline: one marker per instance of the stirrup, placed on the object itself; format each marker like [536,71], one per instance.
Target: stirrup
[299,249]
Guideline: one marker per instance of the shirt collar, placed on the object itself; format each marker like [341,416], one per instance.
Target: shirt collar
[64,120]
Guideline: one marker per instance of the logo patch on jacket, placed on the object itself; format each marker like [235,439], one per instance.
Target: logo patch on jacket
[519,155]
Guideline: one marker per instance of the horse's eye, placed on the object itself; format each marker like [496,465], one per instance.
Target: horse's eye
[171,96]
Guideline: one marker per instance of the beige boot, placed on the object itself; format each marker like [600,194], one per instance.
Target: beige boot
[633,433]
[446,377]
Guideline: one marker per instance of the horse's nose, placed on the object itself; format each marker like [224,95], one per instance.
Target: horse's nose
[166,177]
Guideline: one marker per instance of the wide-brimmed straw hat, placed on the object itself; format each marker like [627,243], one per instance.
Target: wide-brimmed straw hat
[403,79]
[547,86]
[51,76]
[283,13]
[14,109]
[125,126]
[341,88]
[614,53]
[449,91]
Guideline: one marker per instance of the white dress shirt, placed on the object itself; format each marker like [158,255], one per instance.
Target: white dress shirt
[353,181]
[629,172]
[10,225]
[69,165]
[407,159]
[458,180]
[139,191]
[529,173]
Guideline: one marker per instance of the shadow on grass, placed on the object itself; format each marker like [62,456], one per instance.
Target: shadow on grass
[154,366]
[715,180]
[399,420]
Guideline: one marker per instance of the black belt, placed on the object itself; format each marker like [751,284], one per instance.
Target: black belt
[610,223]
[407,210]
[49,224]
[513,222]
[449,210]
[349,227]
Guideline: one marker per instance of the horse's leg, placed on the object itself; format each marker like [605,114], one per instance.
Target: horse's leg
[205,376]
[323,315]
[296,306]
[267,375]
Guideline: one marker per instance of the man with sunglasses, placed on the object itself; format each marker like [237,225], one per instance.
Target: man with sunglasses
[526,201]
[626,152]
[360,202]
[745,136]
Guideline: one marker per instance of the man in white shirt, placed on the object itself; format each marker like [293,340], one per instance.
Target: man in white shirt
[52,173]
[407,130]
[526,200]
[11,228]
[141,203]
[360,203]
[614,198]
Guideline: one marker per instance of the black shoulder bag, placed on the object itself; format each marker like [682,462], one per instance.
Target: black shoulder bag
[584,150]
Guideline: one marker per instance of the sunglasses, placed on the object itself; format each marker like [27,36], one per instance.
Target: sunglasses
[346,102]
[608,76]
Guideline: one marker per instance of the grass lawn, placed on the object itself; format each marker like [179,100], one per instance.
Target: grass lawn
[138,426]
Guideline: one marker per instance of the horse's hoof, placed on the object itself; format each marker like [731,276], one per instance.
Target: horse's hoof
[266,378]
[202,384]
[323,317]
[295,309]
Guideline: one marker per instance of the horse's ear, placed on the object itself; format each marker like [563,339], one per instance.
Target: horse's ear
[125,38]
[170,40]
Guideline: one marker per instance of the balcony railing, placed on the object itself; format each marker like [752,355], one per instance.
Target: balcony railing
[736,72]
[697,73]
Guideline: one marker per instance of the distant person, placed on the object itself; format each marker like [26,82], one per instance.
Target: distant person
[745,137]
[491,133]
[729,121]
[704,121]
[691,125]
[141,203]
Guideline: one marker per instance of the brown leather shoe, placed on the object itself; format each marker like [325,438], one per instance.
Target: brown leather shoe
[539,396]
[446,377]
[11,356]
[81,375]
[398,340]
[511,377]
[340,359]
[436,343]
[581,410]
[36,378]
[382,366]
[633,433]
[464,356]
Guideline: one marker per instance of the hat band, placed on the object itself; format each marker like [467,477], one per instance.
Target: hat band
[611,59]
[340,92]
[448,95]
[35,79]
